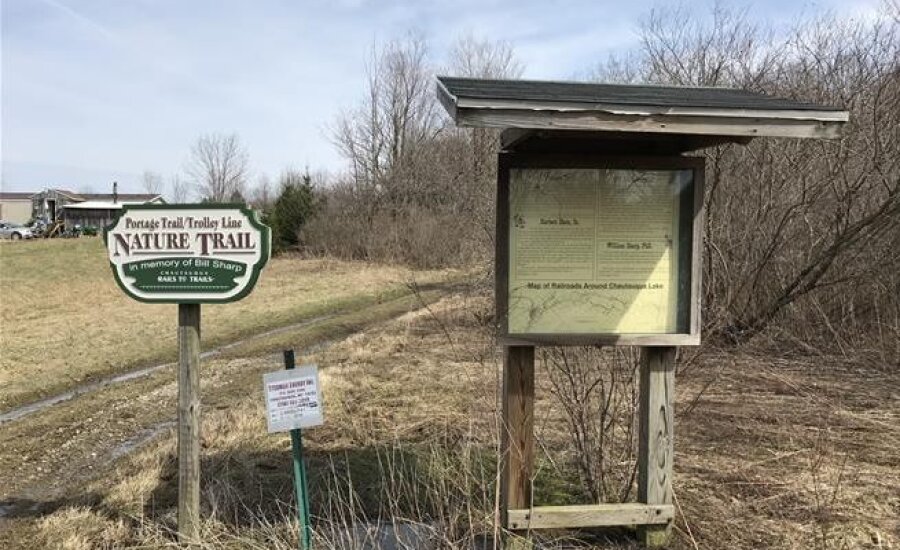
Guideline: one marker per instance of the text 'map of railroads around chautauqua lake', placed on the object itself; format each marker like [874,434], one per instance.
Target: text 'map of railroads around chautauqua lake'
[593,251]
[203,254]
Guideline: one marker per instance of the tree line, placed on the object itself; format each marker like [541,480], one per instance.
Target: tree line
[802,237]
[218,172]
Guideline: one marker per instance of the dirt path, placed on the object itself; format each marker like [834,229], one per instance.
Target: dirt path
[37,406]
[48,452]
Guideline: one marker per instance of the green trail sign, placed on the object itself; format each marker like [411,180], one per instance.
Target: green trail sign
[187,253]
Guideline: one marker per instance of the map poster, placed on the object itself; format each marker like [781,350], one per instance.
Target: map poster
[594,251]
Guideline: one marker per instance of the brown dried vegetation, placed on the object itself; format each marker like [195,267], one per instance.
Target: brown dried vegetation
[781,454]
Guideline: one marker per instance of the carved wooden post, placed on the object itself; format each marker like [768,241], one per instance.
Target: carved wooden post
[517,432]
[657,436]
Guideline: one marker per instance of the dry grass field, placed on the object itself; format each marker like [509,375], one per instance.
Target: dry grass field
[63,320]
[796,454]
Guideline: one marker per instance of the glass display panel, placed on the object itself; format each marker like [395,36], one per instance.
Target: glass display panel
[599,251]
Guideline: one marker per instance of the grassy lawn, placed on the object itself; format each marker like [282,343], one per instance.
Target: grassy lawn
[63,320]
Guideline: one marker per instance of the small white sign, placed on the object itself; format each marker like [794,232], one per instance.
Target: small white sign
[292,399]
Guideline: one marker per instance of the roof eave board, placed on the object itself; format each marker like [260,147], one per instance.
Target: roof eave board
[654,123]
[557,115]
[94,205]
[650,110]
[447,99]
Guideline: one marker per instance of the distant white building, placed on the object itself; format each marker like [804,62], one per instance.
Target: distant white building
[15,207]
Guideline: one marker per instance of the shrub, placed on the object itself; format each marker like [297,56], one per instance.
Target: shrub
[295,205]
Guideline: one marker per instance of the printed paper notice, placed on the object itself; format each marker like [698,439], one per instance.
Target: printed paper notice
[593,251]
[292,399]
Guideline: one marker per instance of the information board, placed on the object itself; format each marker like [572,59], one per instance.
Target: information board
[598,251]
[187,253]
[292,399]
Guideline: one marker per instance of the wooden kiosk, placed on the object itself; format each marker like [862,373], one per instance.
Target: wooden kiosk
[599,242]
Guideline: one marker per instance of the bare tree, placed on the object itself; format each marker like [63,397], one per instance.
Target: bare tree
[413,180]
[479,58]
[596,388]
[397,114]
[726,48]
[178,189]
[801,236]
[152,182]
[622,68]
[218,166]
[261,194]
[892,10]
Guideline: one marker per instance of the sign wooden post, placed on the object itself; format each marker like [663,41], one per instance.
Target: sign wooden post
[189,421]
[187,254]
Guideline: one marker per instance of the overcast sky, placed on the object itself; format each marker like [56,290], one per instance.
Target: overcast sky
[97,90]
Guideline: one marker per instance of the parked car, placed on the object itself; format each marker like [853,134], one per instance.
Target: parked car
[39,227]
[9,230]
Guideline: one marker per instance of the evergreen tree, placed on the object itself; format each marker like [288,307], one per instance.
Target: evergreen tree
[294,206]
[237,197]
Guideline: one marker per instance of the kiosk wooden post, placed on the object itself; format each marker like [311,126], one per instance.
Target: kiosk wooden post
[188,422]
[584,135]
[517,432]
[656,437]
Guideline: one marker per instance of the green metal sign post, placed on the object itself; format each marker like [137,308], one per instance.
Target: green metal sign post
[293,402]
[299,473]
